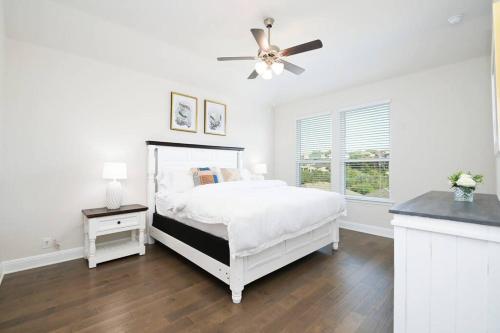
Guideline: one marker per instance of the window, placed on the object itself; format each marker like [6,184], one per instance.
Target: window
[365,151]
[314,152]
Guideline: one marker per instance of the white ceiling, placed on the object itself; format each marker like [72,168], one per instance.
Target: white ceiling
[364,40]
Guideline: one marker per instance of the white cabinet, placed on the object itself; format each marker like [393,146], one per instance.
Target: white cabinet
[447,276]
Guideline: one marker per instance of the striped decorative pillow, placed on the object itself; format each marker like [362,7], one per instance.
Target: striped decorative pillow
[202,176]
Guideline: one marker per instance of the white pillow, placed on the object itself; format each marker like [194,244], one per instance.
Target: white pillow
[175,180]
[245,174]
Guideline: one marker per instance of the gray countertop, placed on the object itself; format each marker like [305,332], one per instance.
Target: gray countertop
[440,205]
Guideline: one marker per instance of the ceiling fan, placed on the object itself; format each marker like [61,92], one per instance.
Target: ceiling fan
[271,57]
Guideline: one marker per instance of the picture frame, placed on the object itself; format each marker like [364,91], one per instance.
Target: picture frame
[215,118]
[183,112]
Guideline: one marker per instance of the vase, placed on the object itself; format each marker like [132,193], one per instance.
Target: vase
[114,195]
[464,194]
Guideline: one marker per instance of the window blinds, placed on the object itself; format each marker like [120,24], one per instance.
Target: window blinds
[365,150]
[314,151]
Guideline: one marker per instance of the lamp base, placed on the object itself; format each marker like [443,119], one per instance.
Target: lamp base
[114,195]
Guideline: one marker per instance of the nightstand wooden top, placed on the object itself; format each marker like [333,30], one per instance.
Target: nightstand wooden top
[103,211]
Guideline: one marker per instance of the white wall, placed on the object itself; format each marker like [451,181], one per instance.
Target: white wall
[54,25]
[440,122]
[68,114]
[496,59]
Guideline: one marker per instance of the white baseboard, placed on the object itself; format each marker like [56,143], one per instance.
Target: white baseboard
[16,265]
[367,229]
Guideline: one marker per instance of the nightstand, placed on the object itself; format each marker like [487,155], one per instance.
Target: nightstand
[104,221]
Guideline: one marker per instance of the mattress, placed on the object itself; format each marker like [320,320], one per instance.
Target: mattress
[211,245]
[215,229]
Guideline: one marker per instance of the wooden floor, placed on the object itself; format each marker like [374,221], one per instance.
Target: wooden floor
[348,291]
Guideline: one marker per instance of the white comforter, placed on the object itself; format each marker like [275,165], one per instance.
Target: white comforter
[258,214]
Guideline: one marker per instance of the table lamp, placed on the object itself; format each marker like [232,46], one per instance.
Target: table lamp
[260,169]
[114,172]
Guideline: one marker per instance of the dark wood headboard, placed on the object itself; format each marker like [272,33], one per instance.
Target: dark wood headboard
[191,145]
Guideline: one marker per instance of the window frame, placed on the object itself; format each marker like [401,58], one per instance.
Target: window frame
[333,154]
[342,162]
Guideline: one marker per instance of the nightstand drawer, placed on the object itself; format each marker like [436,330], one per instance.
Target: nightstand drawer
[117,222]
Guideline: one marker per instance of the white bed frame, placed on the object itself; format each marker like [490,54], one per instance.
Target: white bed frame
[241,270]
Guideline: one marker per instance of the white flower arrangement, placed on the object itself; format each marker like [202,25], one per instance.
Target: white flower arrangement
[465,180]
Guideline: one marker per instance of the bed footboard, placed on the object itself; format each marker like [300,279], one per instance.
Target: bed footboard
[244,270]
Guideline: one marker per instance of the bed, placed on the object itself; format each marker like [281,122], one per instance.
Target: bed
[238,231]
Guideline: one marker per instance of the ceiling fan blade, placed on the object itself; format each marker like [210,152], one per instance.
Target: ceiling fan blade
[260,38]
[235,58]
[315,44]
[253,75]
[293,68]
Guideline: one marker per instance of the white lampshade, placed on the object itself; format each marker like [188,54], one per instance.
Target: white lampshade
[114,171]
[278,67]
[268,74]
[260,67]
[260,169]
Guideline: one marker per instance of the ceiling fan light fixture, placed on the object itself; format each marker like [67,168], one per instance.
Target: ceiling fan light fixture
[269,56]
[267,74]
[278,67]
[261,67]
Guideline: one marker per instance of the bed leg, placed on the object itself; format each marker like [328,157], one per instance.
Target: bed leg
[236,271]
[236,295]
[149,238]
[335,235]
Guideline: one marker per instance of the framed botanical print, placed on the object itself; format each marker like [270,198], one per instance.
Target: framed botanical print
[183,112]
[215,118]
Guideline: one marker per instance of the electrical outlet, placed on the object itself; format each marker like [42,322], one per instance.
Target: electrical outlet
[46,242]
